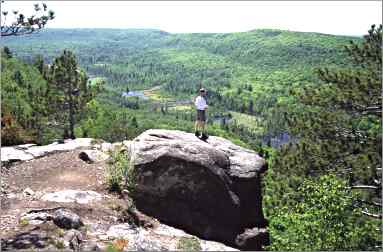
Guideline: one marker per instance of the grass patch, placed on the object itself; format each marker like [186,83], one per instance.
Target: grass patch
[23,222]
[181,108]
[117,245]
[120,172]
[249,121]
[60,232]
[157,95]
[189,244]
[59,244]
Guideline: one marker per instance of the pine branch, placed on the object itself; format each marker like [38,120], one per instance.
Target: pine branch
[371,203]
[22,25]
[377,216]
[367,187]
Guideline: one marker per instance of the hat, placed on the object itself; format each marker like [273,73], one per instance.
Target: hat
[202,90]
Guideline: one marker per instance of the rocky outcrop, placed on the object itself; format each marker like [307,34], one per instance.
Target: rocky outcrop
[207,196]
[211,189]
[42,233]
[27,152]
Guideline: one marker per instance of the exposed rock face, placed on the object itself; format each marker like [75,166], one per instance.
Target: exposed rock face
[55,221]
[81,197]
[211,189]
[161,238]
[30,151]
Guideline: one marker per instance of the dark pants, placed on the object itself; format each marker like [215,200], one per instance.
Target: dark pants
[201,115]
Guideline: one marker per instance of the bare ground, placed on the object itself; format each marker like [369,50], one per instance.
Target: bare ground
[56,172]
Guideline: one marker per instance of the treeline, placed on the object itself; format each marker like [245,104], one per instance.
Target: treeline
[42,102]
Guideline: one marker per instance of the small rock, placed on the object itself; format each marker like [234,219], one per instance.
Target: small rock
[28,192]
[73,239]
[67,219]
[93,156]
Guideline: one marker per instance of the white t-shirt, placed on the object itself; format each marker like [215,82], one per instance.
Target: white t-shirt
[200,103]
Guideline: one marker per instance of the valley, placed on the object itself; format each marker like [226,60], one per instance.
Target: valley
[292,161]
[249,73]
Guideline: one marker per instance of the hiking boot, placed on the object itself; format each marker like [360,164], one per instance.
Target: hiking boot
[196,134]
[204,136]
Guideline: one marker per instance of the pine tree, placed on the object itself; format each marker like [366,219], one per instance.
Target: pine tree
[338,126]
[7,52]
[38,62]
[251,107]
[69,91]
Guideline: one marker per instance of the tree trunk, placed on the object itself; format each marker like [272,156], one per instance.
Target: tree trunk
[71,118]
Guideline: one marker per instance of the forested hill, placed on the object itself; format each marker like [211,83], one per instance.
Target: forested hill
[253,46]
[136,58]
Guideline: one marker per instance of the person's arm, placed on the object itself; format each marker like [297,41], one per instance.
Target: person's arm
[206,106]
[196,101]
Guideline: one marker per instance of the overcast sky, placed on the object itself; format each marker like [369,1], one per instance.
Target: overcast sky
[332,17]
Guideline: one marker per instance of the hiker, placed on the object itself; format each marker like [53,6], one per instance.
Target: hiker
[201,106]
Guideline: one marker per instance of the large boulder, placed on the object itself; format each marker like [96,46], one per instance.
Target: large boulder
[211,189]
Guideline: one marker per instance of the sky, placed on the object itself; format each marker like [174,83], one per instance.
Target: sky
[331,17]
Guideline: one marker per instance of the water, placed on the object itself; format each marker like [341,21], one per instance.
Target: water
[278,140]
[139,94]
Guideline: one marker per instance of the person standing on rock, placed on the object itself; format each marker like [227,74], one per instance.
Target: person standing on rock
[201,106]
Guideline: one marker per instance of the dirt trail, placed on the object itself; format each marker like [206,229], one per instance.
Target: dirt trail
[53,173]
